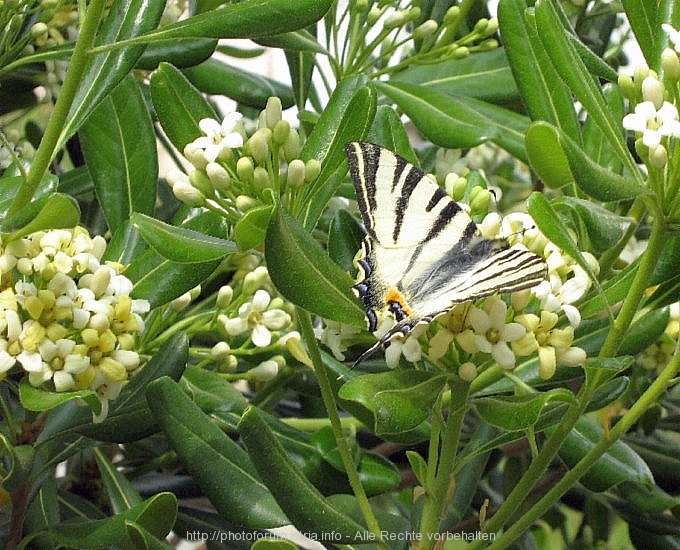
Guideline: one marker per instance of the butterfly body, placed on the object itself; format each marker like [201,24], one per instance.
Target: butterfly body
[422,253]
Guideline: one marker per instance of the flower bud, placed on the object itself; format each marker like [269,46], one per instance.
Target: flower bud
[658,156]
[627,87]
[265,371]
[480,199]
[639,74]
[652,90]
[224,296]
[218,176]
[220,351]
[38,30]
[245,203]
[670,64]
[467,371]
[312,169]
[261,178]
[425,30]
[245,169]
[451,16]
[273,112]
[291,147]
[373,15]
[296,173]
[395,20]
[280,132]
[258,145]
[188,194]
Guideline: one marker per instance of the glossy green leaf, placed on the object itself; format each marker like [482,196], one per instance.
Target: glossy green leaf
[551,152]
[648,499]
[645,331]
[36,399]
[155,515]
[296,41]
[344,239]
[458,122]
[543,93]
[248,19]
[575,74]
[661,451]
[180,244]
[297,263]
[222,468]
[646,25]
[483,75]
[620,463]
[160,280]
[251,229]
[125,245]
[119,144]
[216,77]
[9,184]
[301,501]
[178,104]
[518,412]
[126,19]
[121,494]
[603,227]
[388,130]
[599,149]
[392,402]
[180,53]
[347,117]
[57,211]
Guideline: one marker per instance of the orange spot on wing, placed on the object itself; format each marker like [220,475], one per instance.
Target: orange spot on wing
[393,295]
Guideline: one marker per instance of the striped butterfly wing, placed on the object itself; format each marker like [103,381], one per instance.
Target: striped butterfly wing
[422,253]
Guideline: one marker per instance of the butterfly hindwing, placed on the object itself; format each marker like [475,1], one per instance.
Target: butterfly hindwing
[422,253]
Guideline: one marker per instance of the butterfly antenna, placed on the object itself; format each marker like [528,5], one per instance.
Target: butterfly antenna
[370,351]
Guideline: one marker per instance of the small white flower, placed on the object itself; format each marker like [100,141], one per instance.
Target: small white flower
[255,316]
[492,333]
[653,124]
[336,337]
[219,138]
[409,347]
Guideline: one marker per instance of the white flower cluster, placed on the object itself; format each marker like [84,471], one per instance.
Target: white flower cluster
[66,319]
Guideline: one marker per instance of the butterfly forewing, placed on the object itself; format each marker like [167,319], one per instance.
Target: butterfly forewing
[422,251]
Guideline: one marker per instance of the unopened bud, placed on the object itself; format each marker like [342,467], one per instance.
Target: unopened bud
[425,30]
[200,181]
[273,112]
[467,371]
[261,178]
[218,176]
[188,194]
[296,173]
[245,203]
[280,132]
[224,296]
[291,147]
[258,144]
[652,90]
[312,169]
[670,64]
[245,169]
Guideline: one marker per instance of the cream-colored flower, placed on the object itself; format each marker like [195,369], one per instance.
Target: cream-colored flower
[492,333]
[220,138]
[254,316]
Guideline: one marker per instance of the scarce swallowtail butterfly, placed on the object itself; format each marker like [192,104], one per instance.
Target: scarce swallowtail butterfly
[422,253]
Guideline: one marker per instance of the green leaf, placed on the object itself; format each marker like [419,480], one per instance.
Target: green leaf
[179,244]
[347,117]
[251,229]
[544,95]
[599,149]
[620,463]
[179,106]
[9,184]
[296,41]
[119,144]
[344,239]
[216,77]
[572,70]
[483,75]
[222,469]
[301,501]
[155,515]
[160,280]
[36,399]
[392,402]
[458,122]
[56,211]
[181,53]
[519,412]
[297,263]
[645,331]
[388,130]
[645,20]
[121,494]
[248,19]
[603,228]
[126,19]
[550,151]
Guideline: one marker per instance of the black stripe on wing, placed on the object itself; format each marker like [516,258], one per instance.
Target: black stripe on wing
[363,159]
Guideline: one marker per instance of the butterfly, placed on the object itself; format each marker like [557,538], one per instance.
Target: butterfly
[422,253]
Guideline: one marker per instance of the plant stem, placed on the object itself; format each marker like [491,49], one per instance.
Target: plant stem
[307,331]
[436,495]
[50,140]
